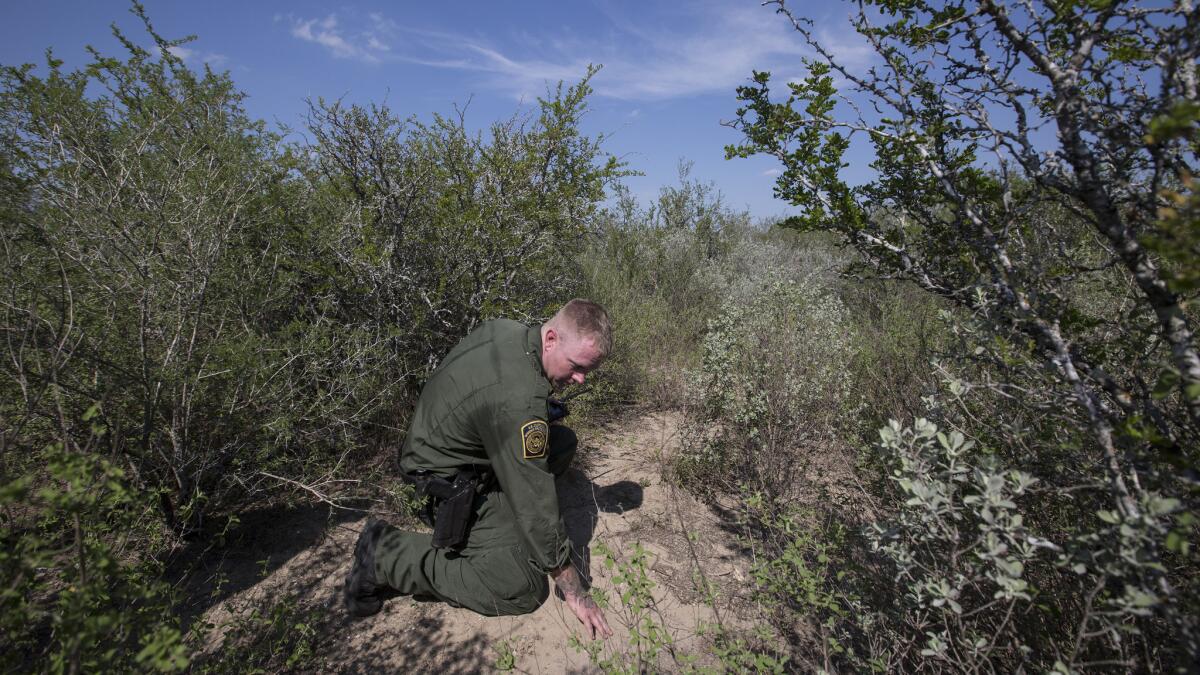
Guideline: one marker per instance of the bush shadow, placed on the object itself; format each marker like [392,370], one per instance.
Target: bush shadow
[246,550]
[581,500]
[362,647]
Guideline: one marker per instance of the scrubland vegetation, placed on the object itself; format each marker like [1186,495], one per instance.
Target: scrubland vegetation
[199,317]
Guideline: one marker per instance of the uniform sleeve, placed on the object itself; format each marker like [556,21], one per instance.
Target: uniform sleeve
[516,438]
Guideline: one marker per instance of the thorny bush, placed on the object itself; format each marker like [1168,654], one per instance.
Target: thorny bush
[245,317]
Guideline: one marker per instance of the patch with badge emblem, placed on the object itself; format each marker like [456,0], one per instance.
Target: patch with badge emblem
[535,436]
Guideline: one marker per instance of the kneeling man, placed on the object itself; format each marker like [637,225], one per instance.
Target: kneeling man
[482,449]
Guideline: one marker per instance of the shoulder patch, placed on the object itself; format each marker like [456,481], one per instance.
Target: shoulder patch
[535,436]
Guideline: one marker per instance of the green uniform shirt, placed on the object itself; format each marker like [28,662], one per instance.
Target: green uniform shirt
[485,406]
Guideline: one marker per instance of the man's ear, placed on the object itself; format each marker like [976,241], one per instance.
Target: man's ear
[551,339]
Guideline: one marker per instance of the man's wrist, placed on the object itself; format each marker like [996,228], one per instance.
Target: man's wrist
[568,581]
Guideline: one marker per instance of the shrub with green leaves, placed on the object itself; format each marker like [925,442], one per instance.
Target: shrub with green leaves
[80,593]
[281,635]
[798,582]
[773,388]
[960,548]
[1024,177]
[652,268]
[245,307]
[970,568]
[141,270]
[243,315]
[426,229]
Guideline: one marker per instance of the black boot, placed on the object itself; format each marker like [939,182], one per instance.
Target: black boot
[363,593]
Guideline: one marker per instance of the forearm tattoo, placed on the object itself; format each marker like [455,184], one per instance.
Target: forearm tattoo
[572,586]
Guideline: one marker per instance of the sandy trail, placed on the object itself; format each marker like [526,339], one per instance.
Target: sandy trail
[616,498]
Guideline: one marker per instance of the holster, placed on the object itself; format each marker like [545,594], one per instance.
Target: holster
[451,505]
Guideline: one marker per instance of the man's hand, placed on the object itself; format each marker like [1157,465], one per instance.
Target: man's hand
[585,609]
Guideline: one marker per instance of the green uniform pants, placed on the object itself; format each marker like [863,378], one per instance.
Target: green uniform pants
[492,574]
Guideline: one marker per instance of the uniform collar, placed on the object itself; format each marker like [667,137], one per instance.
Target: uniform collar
[533,348]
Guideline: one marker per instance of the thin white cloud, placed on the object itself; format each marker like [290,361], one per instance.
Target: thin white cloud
[703,48]
[382,24]
[361,46]
[720,47]
[771,173]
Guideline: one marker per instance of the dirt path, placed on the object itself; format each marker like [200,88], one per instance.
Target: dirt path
[615,499]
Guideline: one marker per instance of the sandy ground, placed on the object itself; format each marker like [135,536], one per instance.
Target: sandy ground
[615,497]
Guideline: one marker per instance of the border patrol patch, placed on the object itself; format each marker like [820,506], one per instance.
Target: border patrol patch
[534,438]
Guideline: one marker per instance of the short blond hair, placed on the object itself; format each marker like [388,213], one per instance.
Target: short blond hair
[586,319]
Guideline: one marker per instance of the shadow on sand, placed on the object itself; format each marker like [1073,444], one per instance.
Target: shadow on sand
[249,549]
[263,541]
[580,500]
[423,645]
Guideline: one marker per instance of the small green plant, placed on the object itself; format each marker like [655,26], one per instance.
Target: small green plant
[801,572]
[506,658]
[649,638]
[279,636]
[736,654]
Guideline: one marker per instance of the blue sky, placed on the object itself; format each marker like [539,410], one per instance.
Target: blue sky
[669,68]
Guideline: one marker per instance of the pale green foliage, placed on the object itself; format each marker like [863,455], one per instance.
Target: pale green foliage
[757,258]
[652,268]
[936,476]
[665,270]
[1115,551]
[773,388]
[980,575]
[958,542]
